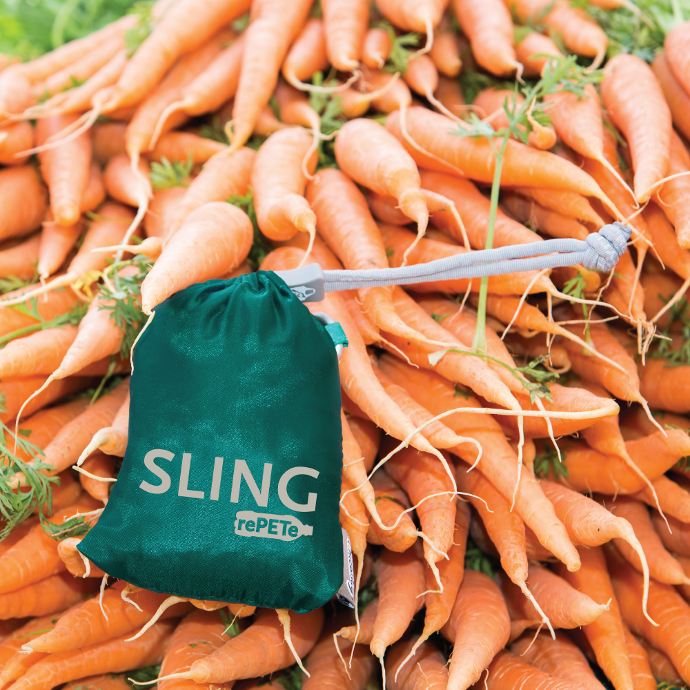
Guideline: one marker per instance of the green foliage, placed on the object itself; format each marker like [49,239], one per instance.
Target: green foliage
[473,82]
[328,106]
[241,24]
[16,506]
[459,392]
[29,28]
[165,174]
[144,674]
[538,388]
[260,247]
[71,318]
[122,294]
[678,313]
[137,34]
[9,283]
[74,527]
[438,317]
[232,626]
[548,460]
[641,33]
[575,287]
[367,594]
[476,559]
[291,678]
[399,54]
[214,131]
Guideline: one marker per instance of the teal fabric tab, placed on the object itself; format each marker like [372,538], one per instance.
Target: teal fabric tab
[335,330]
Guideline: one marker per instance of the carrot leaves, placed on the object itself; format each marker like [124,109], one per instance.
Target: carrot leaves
[18,504]
[123,294]
[576,288]
[145,674]
[77,526]
[260,248]
[136,35]
[70,318]
[548,461]
[476,559]
[165,174]
[399,54]
[675,356]
[9,283]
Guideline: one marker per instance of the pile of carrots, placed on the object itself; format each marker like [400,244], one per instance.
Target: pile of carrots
[515,479]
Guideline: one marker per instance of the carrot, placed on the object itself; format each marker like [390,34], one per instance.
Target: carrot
[179,146]
[182,29]
[210,89]
[114,656]
[62,452]
[564,606]
[543,220]
[413,15]
[215,238]
[21,259]
[38,353]
[424,480]
[17,390]
[237,658]
[65,168]
[16,91]
[606,634]
[673,194]
[654,455]
[122,184]
[523,165]
[401,584]
[662,566]
[666,607]
[86,625]
[42,67]
[23,634]
[151,116]
[161,209]
[579,33]
[22,190]
[105,681]
[356,374]
[560,658]
[376,48]
[625,291]
[674,534]
[632,96]
[508,670]
[75,563]
[678,101]
[391,503]
[366,629]
[18,138]
[199,634]
[113,439]
[392,94]
[437,432]
[567,203]
[658,664]
[344,222]
[421,76]
[429,670]
[98,465]
[267,41]
[55,593]
[478,628]
[674,45]
[327,671]
[219,179]
[373,158]
[534,52]
[307,54]
[498,461]
[449,95]
[56,243]
[673,499]
[665,241]
[639,662]
[278,183]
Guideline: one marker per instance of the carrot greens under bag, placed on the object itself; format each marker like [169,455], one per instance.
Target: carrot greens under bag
[230,485]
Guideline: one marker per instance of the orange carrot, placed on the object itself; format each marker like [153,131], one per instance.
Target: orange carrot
[235,660]
[675,46]
[401,583]
[112,439]
[633,97]
[16,91]
[534,52]
[508,670]
[391,503]
[429,670]
[105,681]
[56,243]
[98,465]
[55,593]
[17,390]
[65,168]
[267,41]
[75,563]
[436,148]
[38,353]
[376,48]
[29,630]
[307,54]
[478,628]
[673,194]
[559,657]
[449,95]
[678,101]
[445,53]
[21,189]
[179,146]
[673,499]
[86,625]
[113,656]
[648,663]
[606,635]
[18,138]
[413,15]
[20,261]
[278,182]
[215,238]
[666,607]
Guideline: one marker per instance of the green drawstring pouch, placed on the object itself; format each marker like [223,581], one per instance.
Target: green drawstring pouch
[230,486]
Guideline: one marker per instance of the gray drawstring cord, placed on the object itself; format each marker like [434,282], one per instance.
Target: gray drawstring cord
[600,251]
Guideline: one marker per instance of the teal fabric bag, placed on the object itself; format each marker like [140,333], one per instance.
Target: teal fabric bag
[230,486]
